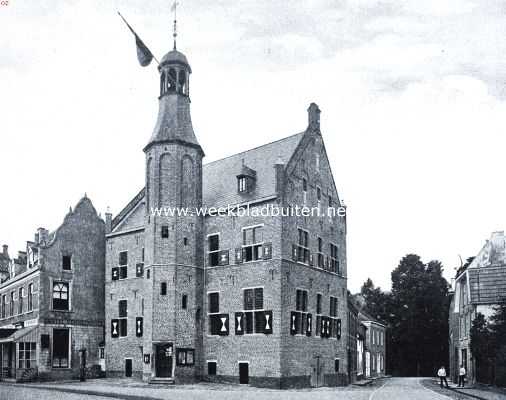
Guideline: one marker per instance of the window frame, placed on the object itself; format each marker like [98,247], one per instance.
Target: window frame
[69,352]
[256,246]
[63,258]
[303,252]
[64,283]
[212,313]
[122,319]
[122,268]
[334,259]
[29,305]
[254,311]
[211,253]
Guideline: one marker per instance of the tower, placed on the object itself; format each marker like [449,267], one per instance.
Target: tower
[173,241]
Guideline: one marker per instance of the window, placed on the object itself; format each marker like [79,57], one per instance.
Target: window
[252,240]
[334,323]
[336,365]
[211,368]
[253,317]
[184,301]
[163,288]
[303,244]
[26,356]
[165,231]
[318,195]
[123,264]
[214,249]
[213,313]
[11,305]
[21,294]
[185,241]
[66,262]
[242,184]
[61,348]
[334,262]
[60,296]
[318,313]
[321,256]
[4,305]
[333,306]
[300,320]
[123,314]
[304,191]
[142,255]
[185,356]
[30,297]
[317,161]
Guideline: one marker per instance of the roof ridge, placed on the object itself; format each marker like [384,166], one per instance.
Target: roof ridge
[254,148]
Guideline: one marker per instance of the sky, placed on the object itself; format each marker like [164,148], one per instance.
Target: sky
[412,93]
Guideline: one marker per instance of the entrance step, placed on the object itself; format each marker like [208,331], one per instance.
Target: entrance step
[162,381]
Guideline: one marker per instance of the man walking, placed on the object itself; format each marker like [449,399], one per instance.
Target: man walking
[462,375]
[442,376]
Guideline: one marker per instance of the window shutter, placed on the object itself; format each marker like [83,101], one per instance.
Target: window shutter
[268,322]
[259,322]
[323,327]
[293,323]
[239,323]
[238,255]
[215,324]
[309,324]
[139,270]
[223,319]
[114,328]
[223,257]
[267,251]
[115,274]
[338,330]
[331,327]
[311,260]
[294,252]
[139,328]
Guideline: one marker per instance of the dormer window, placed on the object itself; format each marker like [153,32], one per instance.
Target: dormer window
[246,180]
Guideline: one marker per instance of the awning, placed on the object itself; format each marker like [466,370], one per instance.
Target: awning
[15,334]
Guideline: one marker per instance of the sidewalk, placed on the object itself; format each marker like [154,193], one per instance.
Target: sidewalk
[480,392]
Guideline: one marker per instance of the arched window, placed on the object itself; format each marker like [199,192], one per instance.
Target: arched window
[60,296]
[171,83]
[182,81]
[162,84]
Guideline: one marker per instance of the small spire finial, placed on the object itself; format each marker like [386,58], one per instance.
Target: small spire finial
[174,10]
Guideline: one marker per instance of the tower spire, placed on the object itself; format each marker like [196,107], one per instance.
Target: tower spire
[174,10]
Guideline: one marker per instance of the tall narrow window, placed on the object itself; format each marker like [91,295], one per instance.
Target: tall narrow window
[123,265]
[4,305]
[11,305]
[301,321]
[321,256]
[184,301]
[163,288]
[123,315]
[61,296]
[252,240]
[318,313]
[215,318]
[303,246]
[213,250]
[66,262]
[21,295]
[242,184]
[165,231]
[334,262]
[304,191]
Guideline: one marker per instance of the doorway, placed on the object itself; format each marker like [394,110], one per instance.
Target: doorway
[163,362]
[128,367]
[316,372]
[243,373]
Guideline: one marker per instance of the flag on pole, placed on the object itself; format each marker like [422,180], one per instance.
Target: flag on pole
[144,55]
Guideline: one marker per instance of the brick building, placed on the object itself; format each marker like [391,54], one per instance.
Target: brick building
[247,298]
[478,288]
[52,300]
[375,345]
[356,342]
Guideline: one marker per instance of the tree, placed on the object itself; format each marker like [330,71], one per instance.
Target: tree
[498,333]
[482,348]
[376,301]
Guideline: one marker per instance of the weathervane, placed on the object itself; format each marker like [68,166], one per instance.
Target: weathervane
[174,9]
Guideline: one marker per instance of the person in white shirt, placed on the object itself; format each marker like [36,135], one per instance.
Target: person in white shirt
[442,376]
[462,375]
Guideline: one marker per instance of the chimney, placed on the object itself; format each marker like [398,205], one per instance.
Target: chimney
[279,168]
[314,117]
[42,233]
[108,221]
[5,250]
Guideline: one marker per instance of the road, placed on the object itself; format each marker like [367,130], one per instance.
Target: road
[389,389]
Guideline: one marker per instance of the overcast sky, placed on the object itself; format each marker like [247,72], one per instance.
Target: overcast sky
[412,95]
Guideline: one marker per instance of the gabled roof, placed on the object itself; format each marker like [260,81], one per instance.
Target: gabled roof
[220,177]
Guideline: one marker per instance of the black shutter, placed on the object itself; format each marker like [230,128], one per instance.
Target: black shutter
[223,324]
[338,330]
[139,270]
[323,327]
[259,322]
[147,358]
[139,326]
[294,252]
[331,327]
[267,251]
[267,322]
[239,323]
[115,274]
[114,328]
[293,323]
[223,257]
[215,324]
[309,324]
[238,255]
